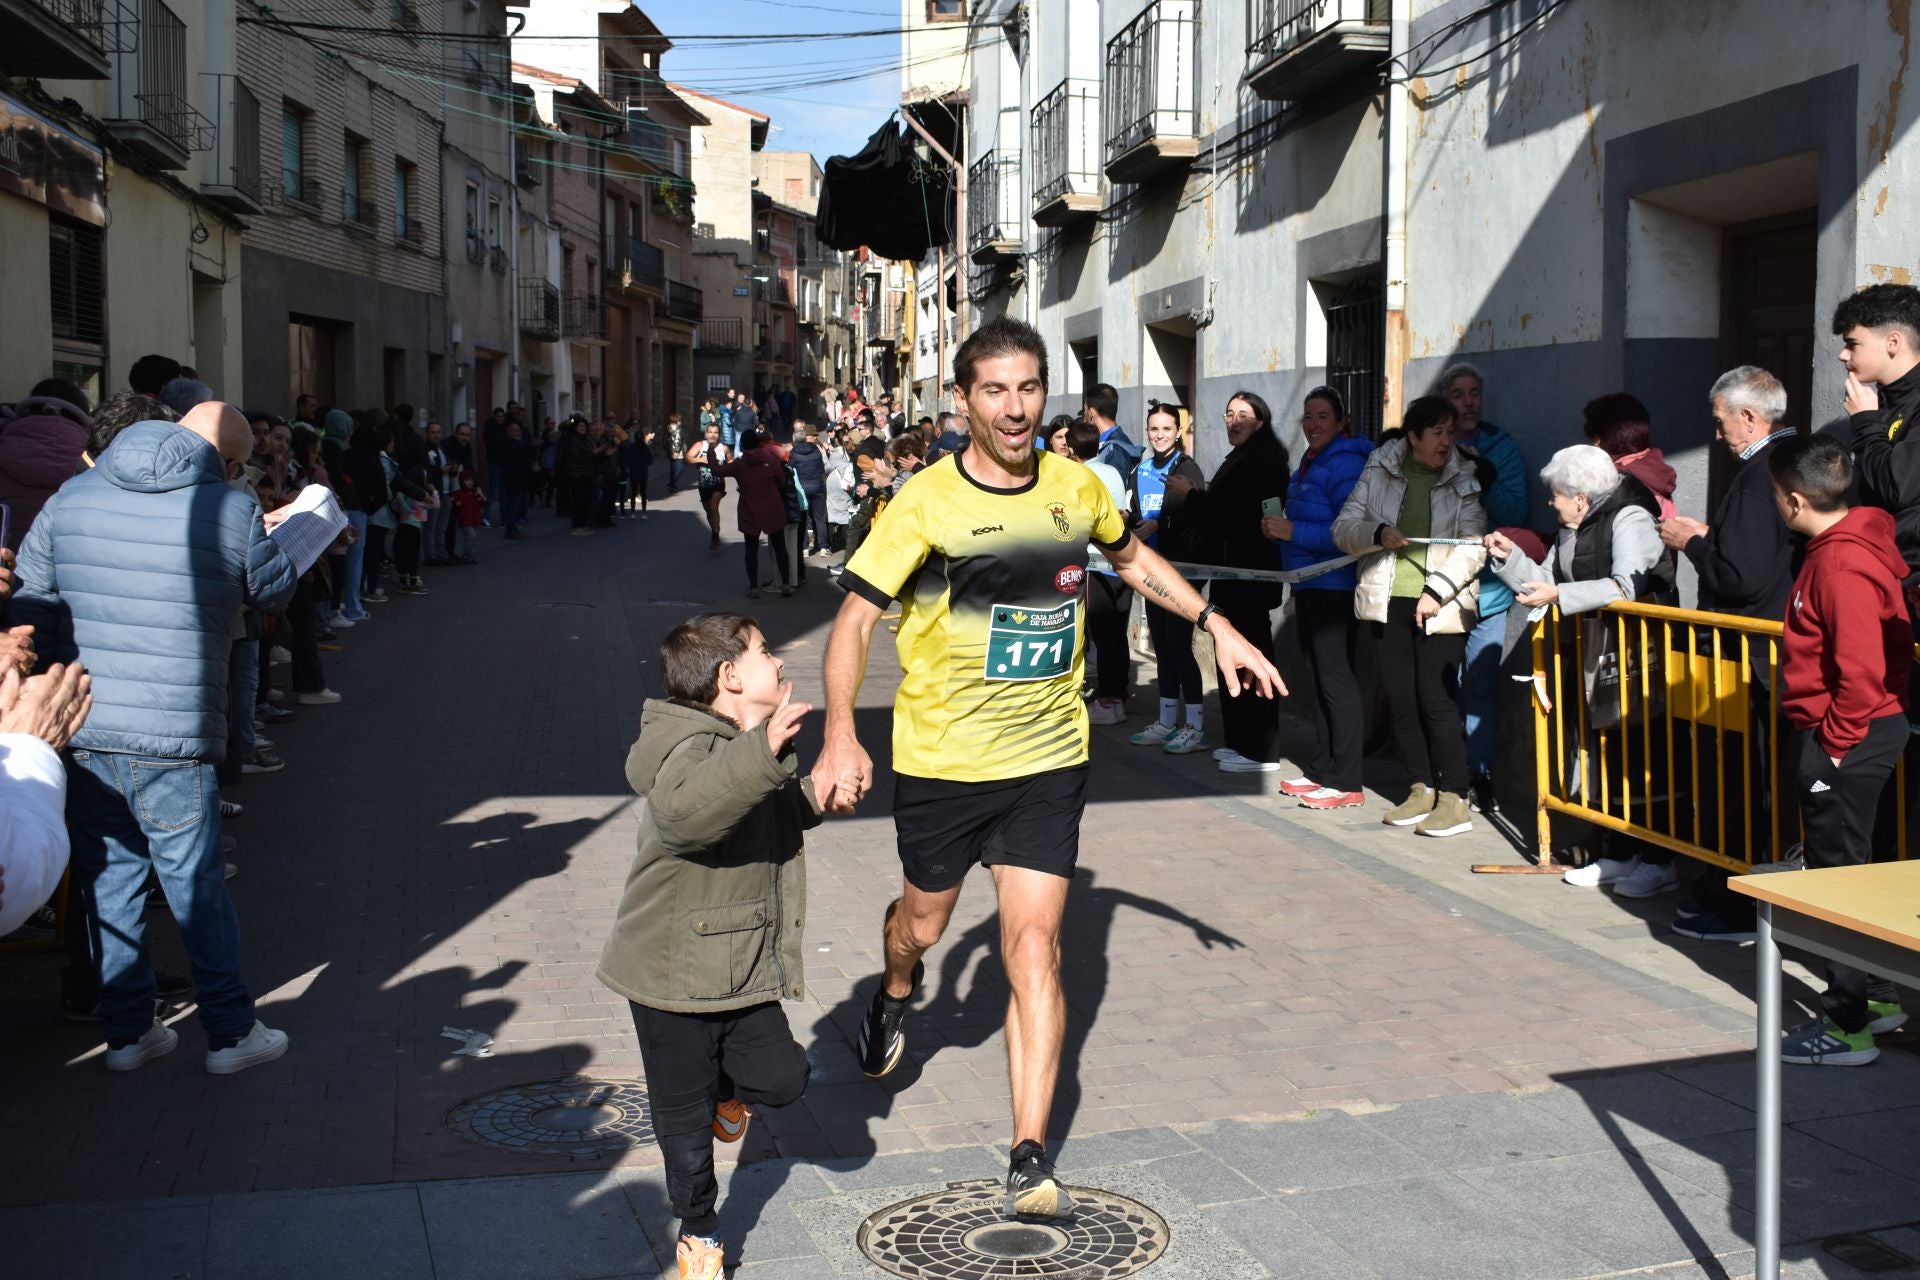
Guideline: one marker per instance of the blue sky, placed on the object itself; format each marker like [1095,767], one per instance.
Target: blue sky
[783,79]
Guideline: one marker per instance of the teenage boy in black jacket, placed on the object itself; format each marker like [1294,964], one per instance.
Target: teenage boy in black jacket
[1879,331]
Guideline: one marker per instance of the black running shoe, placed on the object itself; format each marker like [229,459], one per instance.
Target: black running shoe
[1032,1190]
[882,1041]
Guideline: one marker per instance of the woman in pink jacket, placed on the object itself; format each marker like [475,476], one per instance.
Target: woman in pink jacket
[41,440]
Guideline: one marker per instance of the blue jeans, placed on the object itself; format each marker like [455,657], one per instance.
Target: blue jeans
[129,815]
[513,509]
[1480,692]
[244,689]
[817,518]
[674,468]
[349,594]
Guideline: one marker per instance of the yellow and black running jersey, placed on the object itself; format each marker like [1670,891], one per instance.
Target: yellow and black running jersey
[992,591]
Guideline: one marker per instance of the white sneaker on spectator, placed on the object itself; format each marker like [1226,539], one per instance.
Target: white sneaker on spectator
[1240,764]
[1105,712]
[1649,879]
[1601,871]
[159,1041]
[279,656]
[262,1044]
[1186,740]
[339,621]
[321,698]
[1153,735]
[1226,753]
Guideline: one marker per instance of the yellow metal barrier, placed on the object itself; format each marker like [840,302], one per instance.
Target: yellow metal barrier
[1690,734]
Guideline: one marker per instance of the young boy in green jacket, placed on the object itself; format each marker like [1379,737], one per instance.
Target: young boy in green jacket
[708,937]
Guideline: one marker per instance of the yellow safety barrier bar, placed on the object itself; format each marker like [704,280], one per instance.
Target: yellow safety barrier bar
[1685,689]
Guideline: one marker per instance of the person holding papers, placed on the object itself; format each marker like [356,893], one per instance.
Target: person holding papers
[137,569]
[1420,589]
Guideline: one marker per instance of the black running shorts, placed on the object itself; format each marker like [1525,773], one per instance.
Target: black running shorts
[946,827]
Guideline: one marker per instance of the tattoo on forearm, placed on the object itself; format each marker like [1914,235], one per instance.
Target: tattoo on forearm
[1158,587]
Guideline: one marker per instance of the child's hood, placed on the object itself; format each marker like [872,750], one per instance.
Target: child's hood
[1865,532]
[663,727]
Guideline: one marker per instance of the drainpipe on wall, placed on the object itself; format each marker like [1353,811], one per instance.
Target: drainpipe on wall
[513,257]
[1398,110]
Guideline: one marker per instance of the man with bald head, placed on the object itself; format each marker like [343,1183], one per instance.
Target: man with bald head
[137,569]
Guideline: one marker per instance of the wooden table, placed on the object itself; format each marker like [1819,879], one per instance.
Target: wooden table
[1867,917]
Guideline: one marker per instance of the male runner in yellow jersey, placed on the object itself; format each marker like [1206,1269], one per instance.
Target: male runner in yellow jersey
[986,550]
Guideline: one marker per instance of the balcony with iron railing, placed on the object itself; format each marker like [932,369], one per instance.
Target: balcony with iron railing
[583,318]
[476,249]
[722,335]
[358,213]
[497,259]
[56,39]
[1152,103]
[685,303]
[1298,48]
[781,291]
[301,191]
[995,219]
[1066,154]
[674,195]
[540,310]
[149,110]
[231,177]
[647,141]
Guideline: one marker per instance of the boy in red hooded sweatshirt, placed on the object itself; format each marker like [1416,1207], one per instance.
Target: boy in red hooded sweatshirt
[1843,686]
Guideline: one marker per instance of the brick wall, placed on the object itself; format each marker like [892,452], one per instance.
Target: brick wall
[285,70]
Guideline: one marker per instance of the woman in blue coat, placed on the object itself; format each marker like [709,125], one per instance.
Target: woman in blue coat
[1323,605]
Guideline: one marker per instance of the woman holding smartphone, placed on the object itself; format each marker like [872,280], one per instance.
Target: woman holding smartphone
[1221,525]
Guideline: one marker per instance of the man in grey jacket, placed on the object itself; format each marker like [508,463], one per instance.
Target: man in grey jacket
[137,569]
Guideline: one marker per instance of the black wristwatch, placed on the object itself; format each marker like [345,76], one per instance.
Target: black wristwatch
[1201,621]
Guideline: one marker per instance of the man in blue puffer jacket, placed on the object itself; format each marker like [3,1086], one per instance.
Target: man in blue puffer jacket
[138,568]
[1509,503]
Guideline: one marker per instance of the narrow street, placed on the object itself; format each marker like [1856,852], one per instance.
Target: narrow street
[1315,1045]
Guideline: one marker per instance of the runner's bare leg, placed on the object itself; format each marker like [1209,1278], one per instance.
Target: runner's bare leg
[914,923]
[1031,904]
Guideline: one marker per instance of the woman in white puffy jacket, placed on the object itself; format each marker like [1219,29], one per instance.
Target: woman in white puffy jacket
[1420,597]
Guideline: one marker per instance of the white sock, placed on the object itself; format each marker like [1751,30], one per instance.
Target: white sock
[1196,714]
[1170,712]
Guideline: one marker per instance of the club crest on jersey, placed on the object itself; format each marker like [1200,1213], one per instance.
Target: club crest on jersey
[1068,580]
[1062,527]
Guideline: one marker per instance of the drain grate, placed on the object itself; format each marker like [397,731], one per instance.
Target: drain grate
[963,1233]
[576,1116]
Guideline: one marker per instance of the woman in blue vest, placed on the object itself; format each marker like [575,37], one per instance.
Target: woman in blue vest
[1154,507]
[1323,605]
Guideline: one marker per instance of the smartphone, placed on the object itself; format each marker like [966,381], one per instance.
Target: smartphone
[1273,507]
[6,522]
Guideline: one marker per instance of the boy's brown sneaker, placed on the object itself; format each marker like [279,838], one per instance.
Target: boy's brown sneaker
[730,1120]
[698,1259]
[1450,817]
[1418,805]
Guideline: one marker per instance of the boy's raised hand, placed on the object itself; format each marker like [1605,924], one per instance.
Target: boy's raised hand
[783,726]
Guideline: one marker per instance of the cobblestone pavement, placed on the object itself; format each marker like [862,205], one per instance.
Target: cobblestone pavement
[1318,1046]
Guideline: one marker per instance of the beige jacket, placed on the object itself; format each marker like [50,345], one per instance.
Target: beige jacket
[1453,573]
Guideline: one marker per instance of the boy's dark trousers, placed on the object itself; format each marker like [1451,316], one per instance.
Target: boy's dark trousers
[696,1060]
[1838,807]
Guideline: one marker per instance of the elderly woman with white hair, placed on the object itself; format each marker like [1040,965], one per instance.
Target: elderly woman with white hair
[1608,550]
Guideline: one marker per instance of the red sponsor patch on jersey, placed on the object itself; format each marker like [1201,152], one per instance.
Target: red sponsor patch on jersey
[1068,580]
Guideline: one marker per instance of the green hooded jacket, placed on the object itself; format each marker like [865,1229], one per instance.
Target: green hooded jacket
[715,904]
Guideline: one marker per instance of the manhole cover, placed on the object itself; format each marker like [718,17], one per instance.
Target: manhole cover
[575,1117]
[964,1232]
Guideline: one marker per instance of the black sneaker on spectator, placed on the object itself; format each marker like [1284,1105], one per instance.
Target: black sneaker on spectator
[262,762]
[274,714]
[231,809]
[228,844]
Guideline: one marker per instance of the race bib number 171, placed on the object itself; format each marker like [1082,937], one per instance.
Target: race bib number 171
[1026,644]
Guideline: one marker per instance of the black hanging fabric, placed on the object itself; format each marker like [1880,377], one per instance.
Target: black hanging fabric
[886,199]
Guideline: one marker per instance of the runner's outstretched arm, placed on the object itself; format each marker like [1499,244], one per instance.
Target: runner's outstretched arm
[843,761]
[1147,571]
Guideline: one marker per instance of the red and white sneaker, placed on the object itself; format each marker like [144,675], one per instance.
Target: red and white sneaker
[1332,798]
[1300,786]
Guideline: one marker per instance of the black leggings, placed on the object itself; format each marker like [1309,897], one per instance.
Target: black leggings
[778,541]
[696,1060]
[1177,668]
[406,550]
[1420,671]
[1249,722]
[303,619]
[1108,600]
[1331,636]
[371,564]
